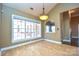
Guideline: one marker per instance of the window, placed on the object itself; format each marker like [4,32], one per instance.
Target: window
[53,29]
[50,27]
[47,28]
[25,29]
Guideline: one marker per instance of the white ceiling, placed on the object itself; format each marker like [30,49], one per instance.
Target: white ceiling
[38,7]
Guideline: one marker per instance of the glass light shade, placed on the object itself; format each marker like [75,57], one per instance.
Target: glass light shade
[43,17]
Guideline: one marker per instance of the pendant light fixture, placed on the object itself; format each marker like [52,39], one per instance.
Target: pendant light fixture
[43,16]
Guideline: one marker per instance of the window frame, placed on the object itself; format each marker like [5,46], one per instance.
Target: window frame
[47,31]
[25,19]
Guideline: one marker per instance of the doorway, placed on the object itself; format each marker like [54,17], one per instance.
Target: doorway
[74,24]
[70,27]
[74,30]
[78,35]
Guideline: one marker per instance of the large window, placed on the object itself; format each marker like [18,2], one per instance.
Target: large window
[25,29]
[50,27]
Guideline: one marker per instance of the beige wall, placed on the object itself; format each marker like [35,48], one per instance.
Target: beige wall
[54,16]
[6,24]
[66,25]
[0,25]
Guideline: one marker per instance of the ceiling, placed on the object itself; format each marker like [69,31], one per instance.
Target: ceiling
[37,7]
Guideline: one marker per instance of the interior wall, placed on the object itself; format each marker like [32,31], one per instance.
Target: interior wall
[42,29]
[6,24]
[66,25]
[0,23]
[54,16]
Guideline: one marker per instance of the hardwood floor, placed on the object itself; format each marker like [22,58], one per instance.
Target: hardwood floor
[42,48]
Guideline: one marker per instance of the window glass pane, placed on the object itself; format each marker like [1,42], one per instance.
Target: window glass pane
[33,31]
[27,26]
[38,30]
[23,35]
[24,29]
[15,36]
[27,30]
[15,30]
[15,25]
[47,28]
[19,36]
[22,24]
[21,30]
[53,28]
[50,29]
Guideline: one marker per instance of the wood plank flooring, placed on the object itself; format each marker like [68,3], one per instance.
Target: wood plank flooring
[42,48]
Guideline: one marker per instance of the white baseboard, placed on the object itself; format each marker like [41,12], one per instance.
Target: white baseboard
[52,41]
[18,45]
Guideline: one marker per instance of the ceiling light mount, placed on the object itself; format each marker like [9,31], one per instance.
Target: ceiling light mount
[32,8]
[43,16]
